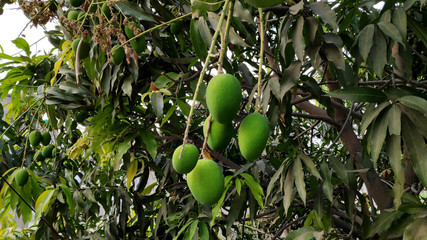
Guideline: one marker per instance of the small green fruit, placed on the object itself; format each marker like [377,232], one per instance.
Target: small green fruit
[206,182]
[118,55]
[47,151]
[35,138]
[139,44]
[253,135]
[72,15]
[76,3]
[264,3]
[21,177]
[219,134]
[84,50]
[188,159]
[176,27]
[203,231]
[45,138]
[223,97]
[106,10]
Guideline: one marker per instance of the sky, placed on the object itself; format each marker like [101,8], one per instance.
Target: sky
[12,22]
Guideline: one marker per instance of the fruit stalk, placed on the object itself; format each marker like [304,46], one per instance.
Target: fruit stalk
[208,128]
[261,57]
[29,130]
[202,74]
[224,38]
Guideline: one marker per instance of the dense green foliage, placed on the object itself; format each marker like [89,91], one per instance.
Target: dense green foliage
[342,85]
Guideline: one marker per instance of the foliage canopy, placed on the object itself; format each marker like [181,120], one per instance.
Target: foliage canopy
[342,84]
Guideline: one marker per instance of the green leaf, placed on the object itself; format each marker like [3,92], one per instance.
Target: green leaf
[284,35]
[298,39]
[131,172]
[200,7]
[288,190]
[394,121]
[150,143]
[416,230]
[183,229]
[255,188]
[294,9]
[299,179]
[390,30]
[304,233]
[310,165]
[69,198]
[371,113]
[197,41]
[378,54]
[121,150]
[233,37]
[417,118]
[415,102]
[326,14]
[43,202]
[340,170]
[238,185]
[127,86]
[274,179]
[192,230]
[394,151]
[170,112]
[326,184]
[157,103]
[334,54]
[419,30]
[400,21]
[22,44]
[346,77]
[290,77]
[383,222]
[185,108]
[359,94]
[238,204]
[416,148]
[379,133]
[134,10]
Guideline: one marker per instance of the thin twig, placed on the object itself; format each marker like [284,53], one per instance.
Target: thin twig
[308,129]
[225,37]
[261,57]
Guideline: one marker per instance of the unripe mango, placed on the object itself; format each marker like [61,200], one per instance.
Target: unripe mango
[219,134]
[76,3]
[47,151]
[139,44]
[206,182]
[35,138]
[45,138]
[223,97]
[253,135]
[118,55]
[188,160]
[84,49]
[21,177]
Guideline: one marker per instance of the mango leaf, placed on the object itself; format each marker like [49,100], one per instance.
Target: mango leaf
[400,21]
[326,184]
[366,37]
[416,148]
[390,30]
[326,14]
[378,54]
[310,165]
[233,37]
[131,172]
[419,30]
[150,143]
[371,113]
[359,94]
[334,54]
[22,44]
[274,179]
[183,229]
[255,188]
[290,77]
[284,35]
[298,39]
[416,230]
[383,222]
[134,10]
[122,148]
[200,7]
[127,86]
[238,185]
[157,103]
[305,233]
[394,152]
[340,170]
[417,118]
[68,198]
[299,179]
[394,120]
[197,41]
[345,77]
[192,230]
[379,132]
[238,203]
[288,190]
[294,9]
[415,102]
[43,202]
